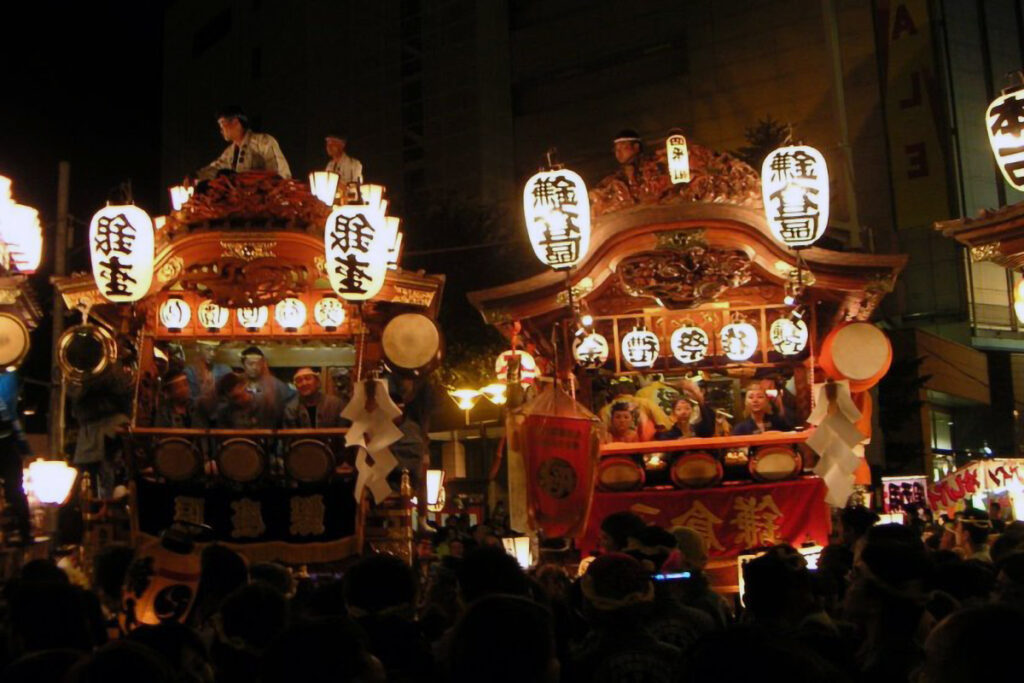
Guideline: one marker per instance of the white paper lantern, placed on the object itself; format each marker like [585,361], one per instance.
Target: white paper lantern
[590,350]
[324,186]
[211,316]
[678,158]
[1018,301]
[175,314]
[527,366]
[739,341]
[640,348]
[788,337]
[329,313]
[356,243]
[21,231]
[252,318]
[290,314]
[689,344]
[121,244]
[557,212]
[1005,123]
[50,481]
[794,186]
[179,195]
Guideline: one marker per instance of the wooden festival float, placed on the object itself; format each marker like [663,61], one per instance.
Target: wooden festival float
[257,260]
[683,280]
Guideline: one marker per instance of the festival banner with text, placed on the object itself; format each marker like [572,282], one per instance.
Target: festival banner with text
[975,477]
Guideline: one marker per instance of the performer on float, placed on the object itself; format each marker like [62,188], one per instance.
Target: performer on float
[692,418]
[349,169]
[177,407]
[647,416]
[248,151]
[311,408]
[760,417]
[204,373]
[240,408]
[623,427]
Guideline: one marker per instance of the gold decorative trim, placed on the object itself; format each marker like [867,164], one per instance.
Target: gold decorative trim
[170,270]
[248,251]
[681,240]
[985,252]
[8,296]
[579,290]
[321,265]
[416,297]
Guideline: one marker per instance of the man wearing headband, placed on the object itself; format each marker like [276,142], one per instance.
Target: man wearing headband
[177,408]
[248,151]
[349,169]
[270,393]
[311,408]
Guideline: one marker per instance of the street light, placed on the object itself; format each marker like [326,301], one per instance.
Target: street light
[49,481]
[496,393]
[465,399]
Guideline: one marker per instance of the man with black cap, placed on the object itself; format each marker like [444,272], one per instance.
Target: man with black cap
[248,151]
[349,169]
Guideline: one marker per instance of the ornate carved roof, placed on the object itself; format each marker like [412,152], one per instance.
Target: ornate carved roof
[995,235]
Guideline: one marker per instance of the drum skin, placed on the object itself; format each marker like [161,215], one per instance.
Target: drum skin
[309,461]
[856,351]
[241,460]
[14,340]
[411,342]
[775,463]
[696,470]
[177,459]
[619,474]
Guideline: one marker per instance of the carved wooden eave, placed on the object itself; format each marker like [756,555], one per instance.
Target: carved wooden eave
[855,282]
[995,235]
[18,297]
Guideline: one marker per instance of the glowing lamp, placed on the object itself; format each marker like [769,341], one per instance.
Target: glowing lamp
[252,318]
[329,313]
[5,189]
[678,158]
[788,337]
[640,348]
[175,314]
[372,195]
[739,341]
[290,314]
[395,250]
[465,399]
[794,186]
[1005,123]
[557,212]
[435,490]
[324,186]
[519,548]
[1018,301]
[689,344]
[21,231]
[179,195]
[50,481]
[591,350]
[211,316]
[495,392]
[527,366]
[356,247]
[121,246]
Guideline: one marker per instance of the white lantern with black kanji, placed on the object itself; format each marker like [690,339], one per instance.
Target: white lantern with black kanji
[689,344]
[640,348]
[356,243]
[211,316]
[794,186]
[527,366]
[739,340]
[1005,123]
[252,318]
[121,245]
[678,158]
[175,314]
[590,350]
[557,212]
[788,337]
[329,313]
[290,314]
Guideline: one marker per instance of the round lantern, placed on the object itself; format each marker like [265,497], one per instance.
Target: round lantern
[678,158]
[788,337]
[290,314]
[329,313]
[252,318]
[175,314]
[356,244]
[211,316]
[590,350]
[739,341]
[640,348]
[121,245]
[527,366]
[794,186]
[689,344]
[324,186]
[1005,123]
[557,212]
[21,232]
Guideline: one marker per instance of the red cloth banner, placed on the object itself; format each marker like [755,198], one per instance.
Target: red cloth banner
[730,518]
[975,477]
[559,453]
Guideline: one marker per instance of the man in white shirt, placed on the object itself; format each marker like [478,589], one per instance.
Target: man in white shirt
[349,170]
[248,151]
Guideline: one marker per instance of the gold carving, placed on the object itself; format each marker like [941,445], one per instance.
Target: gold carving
[8,296]
[248,251]
[985,252]
[681,240]
[579,290]
[416,297]
[170,270]
[321,265]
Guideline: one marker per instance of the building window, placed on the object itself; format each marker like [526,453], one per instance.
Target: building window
[942,429]
[991,296]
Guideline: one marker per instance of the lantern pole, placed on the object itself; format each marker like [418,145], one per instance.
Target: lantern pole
[60,267]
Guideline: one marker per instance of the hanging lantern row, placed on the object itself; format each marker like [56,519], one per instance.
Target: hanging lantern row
[591,350]
[557,210]
[361,242]
[794,186]
[20,231]
[175,314]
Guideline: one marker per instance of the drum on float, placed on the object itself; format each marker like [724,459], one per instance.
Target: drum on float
[411,343]
[309,461]
[620,474]
[697,470]
[775,463]
[241,460]
[856,351]
[177,459]
[14,341]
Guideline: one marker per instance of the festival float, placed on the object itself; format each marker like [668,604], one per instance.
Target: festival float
[686,268]
[311,281]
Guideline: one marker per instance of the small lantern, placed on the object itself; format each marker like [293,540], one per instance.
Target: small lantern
[395,250]
[356,245]
[372,196]
[121,244]
[590,350]
[435,490]
[179,195]
[689,344]
[1005,123]
[557,210]
[50,481]
[496,393]
[21,232]
[175,314]
[252,318]
[678,158]
[640,348]
[739,340]
[211,316]
[794,186]
[290,314]
[519,548]
[329,313]
[527,366]
[324,186]
[788,337]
